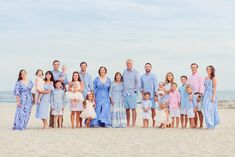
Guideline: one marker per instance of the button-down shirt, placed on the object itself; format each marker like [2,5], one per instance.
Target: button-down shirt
[87,82]
[197,83]
[131,82]
[149,83]
[56,74]
[174,99]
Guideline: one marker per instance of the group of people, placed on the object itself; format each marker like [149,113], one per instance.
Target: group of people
[105,103]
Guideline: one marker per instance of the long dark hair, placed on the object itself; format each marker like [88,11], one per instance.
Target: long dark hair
[52,77]
[79,78]
[20,73]
[212,71]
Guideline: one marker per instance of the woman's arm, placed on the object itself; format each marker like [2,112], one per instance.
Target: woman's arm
[214,84]
[70,87]
[18,101]
[82,86]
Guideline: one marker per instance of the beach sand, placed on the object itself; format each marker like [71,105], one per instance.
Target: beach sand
[110,142]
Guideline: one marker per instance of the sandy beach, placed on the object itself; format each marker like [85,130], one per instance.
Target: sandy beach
[114,142]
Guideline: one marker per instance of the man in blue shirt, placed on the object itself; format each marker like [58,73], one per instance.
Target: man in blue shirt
[56,72]
[57,76]
[149,83]
[131,87]
[86,79]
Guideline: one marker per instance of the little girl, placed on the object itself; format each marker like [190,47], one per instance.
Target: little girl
[76,107]
[57,103]
[174,104]
[89,112]
[146,108]
[39,85]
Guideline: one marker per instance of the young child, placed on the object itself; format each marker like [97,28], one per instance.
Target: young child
[161,116]
[161,89]
[191,105]
[76,106]
[146,109]
[198,113]
[183,99]
[64,77]
[39,85]
[174,104]
[57,103]
[89,109]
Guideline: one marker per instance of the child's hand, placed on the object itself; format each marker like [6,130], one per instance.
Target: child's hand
[195,110]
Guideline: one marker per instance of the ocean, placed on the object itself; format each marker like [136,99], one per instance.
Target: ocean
[8,97]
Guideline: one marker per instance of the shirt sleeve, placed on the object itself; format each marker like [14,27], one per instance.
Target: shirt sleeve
[178,96]
[91,85]
[156,83]
[141,84]
[95,86]
[111,89]
[17,89]
[137,87]
[201,85]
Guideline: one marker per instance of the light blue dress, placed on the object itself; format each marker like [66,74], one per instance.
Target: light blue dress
[57,101]
[210,109]
[118,111]
[102,103]
[26,100]
[45,103]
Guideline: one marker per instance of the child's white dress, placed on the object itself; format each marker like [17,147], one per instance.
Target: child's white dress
[145,105]
[89,111]
[79,97]
[161,116]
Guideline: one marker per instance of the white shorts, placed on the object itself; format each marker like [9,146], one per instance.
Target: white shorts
[146,115]
[190,113]
[56,113]
[199,106]
[183,111]
[174,112]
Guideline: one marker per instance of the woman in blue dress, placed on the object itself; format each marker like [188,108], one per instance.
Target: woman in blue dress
[118,111]
[210,101]
[24,99]
[102,99]
[45,102]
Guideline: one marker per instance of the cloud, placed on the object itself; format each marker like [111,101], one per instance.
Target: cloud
[170,34]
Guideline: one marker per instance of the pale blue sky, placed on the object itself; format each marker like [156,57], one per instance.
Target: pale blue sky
[170,34]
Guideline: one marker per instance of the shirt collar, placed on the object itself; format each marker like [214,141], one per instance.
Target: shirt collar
[195,74]
[132,69]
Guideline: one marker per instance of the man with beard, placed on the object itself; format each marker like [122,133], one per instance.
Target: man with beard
[149,83]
